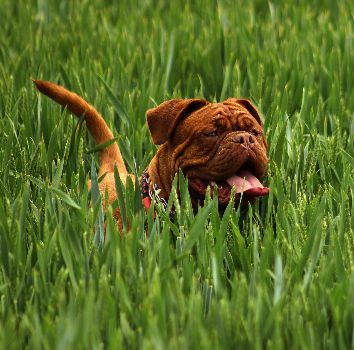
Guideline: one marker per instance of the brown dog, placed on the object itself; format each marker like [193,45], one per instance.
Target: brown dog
[212,143]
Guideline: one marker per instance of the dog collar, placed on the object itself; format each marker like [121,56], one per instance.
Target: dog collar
[151,192]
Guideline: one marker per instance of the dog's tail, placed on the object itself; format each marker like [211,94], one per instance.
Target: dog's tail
[95,123]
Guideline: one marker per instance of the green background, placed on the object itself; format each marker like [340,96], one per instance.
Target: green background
[280,277]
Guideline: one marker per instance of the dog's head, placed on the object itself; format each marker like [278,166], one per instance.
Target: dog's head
[213,144]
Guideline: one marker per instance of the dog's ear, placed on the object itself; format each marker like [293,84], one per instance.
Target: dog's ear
[164,118]
[249,106]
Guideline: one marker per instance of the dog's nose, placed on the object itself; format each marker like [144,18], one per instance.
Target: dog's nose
[244,139]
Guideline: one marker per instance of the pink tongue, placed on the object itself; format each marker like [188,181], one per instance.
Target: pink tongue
[244,180]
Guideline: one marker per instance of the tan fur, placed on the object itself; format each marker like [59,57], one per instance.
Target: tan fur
[185,130]
[94,121]
[100,132]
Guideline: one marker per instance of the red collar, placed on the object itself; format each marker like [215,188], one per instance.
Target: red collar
[150,192]
[145,190]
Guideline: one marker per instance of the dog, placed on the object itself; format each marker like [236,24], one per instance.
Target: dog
[213,144]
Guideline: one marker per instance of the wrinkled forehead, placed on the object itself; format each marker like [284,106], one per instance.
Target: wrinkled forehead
[223,112]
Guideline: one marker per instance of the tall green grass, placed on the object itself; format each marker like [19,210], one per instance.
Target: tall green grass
[282,276]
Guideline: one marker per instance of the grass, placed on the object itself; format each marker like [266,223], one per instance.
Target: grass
[280,277]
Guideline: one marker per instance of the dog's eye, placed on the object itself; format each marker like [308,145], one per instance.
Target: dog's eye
[256,132]
[211,133]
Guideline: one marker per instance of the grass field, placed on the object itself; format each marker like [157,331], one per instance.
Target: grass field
[281,277]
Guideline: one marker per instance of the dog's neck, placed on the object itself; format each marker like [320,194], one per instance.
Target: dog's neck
[160,171]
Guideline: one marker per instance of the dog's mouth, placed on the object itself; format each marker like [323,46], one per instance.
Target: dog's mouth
[246,184]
